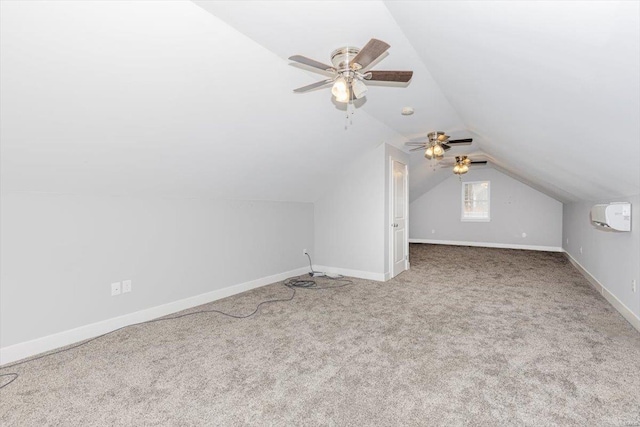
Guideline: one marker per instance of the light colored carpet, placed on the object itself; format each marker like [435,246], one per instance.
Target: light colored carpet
[483,337]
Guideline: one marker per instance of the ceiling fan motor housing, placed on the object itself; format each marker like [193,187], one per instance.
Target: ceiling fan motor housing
[341,57]
[435,136]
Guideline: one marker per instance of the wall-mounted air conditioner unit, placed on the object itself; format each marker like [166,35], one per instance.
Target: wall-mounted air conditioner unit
[612,216]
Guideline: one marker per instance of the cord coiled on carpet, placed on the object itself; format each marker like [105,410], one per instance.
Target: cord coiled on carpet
[292,283]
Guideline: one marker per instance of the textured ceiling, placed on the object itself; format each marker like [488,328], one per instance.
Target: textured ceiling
[194,99]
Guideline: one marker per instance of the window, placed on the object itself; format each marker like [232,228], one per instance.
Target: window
[475,201]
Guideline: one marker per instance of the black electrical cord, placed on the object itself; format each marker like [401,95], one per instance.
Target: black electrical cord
[310,264]
[13,376]
[311,284]
[291,283]
[314,273]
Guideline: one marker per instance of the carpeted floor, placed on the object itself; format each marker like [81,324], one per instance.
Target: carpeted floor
[482,337]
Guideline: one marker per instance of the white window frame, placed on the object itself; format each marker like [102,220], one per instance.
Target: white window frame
[462,213]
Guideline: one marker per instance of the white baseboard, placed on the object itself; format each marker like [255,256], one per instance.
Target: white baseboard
[489,245]
[613,300]
[40,345]
[368,275]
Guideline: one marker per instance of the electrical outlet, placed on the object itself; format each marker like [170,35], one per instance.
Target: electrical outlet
[115,289]
[580,249]
[567,240]
[634,288]
[524,235]
[304,252]
[126,286]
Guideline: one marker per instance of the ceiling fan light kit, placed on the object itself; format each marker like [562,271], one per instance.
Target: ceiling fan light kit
[434,152]
[349,71]
[460,169]
[359,89]
[340,90]
[428,153]
[462,164]
[438,151]
[438,142]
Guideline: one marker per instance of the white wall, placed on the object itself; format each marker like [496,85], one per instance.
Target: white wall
[59,254]
[612,258]
[350,219]
[515,209]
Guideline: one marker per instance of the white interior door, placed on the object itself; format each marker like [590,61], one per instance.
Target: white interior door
[399,239]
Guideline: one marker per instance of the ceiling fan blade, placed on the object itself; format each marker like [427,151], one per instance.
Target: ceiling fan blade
[416,143]
[417,148]
[311,62]
[466,141]
[445,147]
[479,162]
[390,76]
[312,86]
[370,52]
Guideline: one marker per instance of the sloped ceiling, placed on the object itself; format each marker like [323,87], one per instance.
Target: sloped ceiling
[194,99]
[552,88]
[162,98]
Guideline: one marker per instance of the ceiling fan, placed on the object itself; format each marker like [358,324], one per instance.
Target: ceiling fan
[462,163]
[437,144]
[349,71]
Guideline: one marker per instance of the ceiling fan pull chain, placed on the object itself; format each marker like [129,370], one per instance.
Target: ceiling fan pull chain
[346,119]
[353,110]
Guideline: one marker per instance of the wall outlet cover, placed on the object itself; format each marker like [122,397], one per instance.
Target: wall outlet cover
[126,286]
[115,289]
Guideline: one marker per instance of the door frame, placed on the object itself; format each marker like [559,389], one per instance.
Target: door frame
[390,214]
